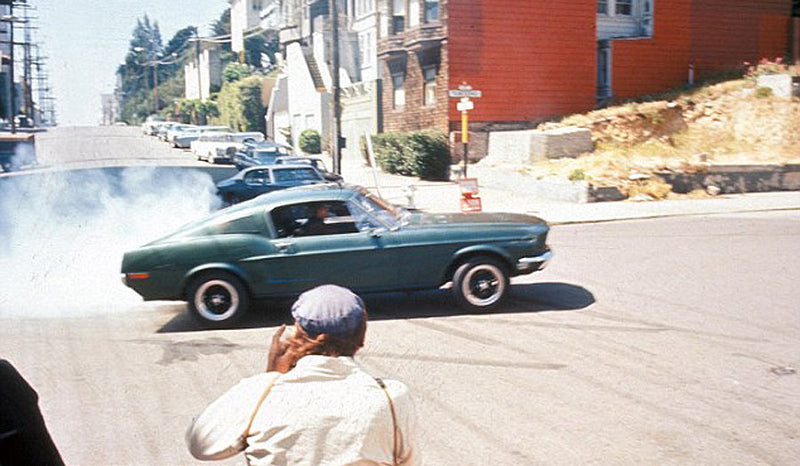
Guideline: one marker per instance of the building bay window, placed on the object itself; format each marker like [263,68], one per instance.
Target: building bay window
[624,18]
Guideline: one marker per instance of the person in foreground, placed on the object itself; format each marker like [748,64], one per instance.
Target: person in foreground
[314,405]
[24,439]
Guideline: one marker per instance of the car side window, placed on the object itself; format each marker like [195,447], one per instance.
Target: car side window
[257,177]
[291,174]
[314,219]
[363,219]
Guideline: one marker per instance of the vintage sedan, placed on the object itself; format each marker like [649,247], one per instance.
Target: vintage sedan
[259,153]
[263,249]
[258,180]
[314,162]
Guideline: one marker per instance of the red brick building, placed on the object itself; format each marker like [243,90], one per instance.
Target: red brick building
[537,59]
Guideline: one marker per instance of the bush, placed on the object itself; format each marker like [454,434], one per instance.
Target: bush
[235,72]
[197,112]
[763,92]
[577,175]
[389,151]
[425,154]
[310,142]
[240,106]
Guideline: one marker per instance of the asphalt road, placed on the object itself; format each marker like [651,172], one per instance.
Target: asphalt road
[669,341]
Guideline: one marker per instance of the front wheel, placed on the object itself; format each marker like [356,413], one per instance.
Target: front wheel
[480,284]
[217,299]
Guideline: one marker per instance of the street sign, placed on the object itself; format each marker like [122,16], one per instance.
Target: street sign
[465,105]
[461,93]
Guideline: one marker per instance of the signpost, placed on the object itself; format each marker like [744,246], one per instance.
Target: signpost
[470,202]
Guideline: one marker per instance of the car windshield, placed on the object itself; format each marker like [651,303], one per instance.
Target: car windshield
[389,214]
[291,174]
[267,153]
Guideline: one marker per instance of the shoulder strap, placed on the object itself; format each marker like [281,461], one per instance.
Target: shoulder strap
[395,453]
[258,406]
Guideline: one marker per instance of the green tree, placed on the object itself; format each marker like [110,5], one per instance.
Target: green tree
[235,71]
[240,106]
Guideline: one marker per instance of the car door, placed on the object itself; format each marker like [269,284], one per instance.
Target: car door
[346,255]
[256,182]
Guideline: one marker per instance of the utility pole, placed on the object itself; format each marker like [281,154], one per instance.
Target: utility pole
[13,92]
[155,87]
[336,129]
[26,68]
[199,74]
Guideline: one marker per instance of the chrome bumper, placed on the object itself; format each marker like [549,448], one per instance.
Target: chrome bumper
[528,263]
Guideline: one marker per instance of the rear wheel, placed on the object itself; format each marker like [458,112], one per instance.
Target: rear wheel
[480,284]
[217,299]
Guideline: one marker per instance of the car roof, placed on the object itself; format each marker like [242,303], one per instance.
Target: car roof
[307,193]
[256,145]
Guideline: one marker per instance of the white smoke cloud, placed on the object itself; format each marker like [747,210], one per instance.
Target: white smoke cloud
[62,235]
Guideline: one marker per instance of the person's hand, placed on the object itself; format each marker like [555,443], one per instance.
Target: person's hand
[280,359]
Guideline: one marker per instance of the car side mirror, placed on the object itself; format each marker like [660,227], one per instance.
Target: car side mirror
[376,232]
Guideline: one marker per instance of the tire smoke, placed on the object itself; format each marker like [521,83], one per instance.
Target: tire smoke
[62,234]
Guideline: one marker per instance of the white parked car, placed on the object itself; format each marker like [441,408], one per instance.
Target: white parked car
[216,147]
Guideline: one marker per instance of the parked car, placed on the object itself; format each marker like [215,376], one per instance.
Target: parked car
[184,138]
[150,123]
[219,147]
[260,153]
[17,151]
[314,162]
[258,249]
[173,131]
[254,181]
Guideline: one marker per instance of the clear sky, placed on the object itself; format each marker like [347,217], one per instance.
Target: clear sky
[86,40]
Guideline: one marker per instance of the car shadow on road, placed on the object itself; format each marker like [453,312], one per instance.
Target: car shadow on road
[523,298]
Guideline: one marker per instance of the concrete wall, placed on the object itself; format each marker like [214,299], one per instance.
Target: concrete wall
[528,146]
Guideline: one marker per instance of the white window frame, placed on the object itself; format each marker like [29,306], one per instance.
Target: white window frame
[398,92]
[438,11]
[638,24]
[427,83]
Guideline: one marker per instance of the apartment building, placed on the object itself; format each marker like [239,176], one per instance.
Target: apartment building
[535,60]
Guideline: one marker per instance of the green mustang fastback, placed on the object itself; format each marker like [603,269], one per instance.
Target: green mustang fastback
[286,242]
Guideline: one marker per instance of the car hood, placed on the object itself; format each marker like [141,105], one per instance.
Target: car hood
[460,219]
[227,182]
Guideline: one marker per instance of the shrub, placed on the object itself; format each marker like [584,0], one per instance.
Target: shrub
[389,151]
[235,72]
[310,142]
[427,155]
[423,153]
[763,92]
[577,175]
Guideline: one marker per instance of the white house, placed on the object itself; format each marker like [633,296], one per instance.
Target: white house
[204,75]
[245,15]
[302,97]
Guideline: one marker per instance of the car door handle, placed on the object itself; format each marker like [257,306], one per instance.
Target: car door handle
[286,248]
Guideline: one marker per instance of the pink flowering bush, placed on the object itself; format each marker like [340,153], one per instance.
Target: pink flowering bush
[766,66]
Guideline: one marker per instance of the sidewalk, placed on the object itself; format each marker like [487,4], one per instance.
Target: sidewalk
[496,197]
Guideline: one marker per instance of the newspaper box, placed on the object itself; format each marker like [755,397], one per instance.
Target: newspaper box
[470,200]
